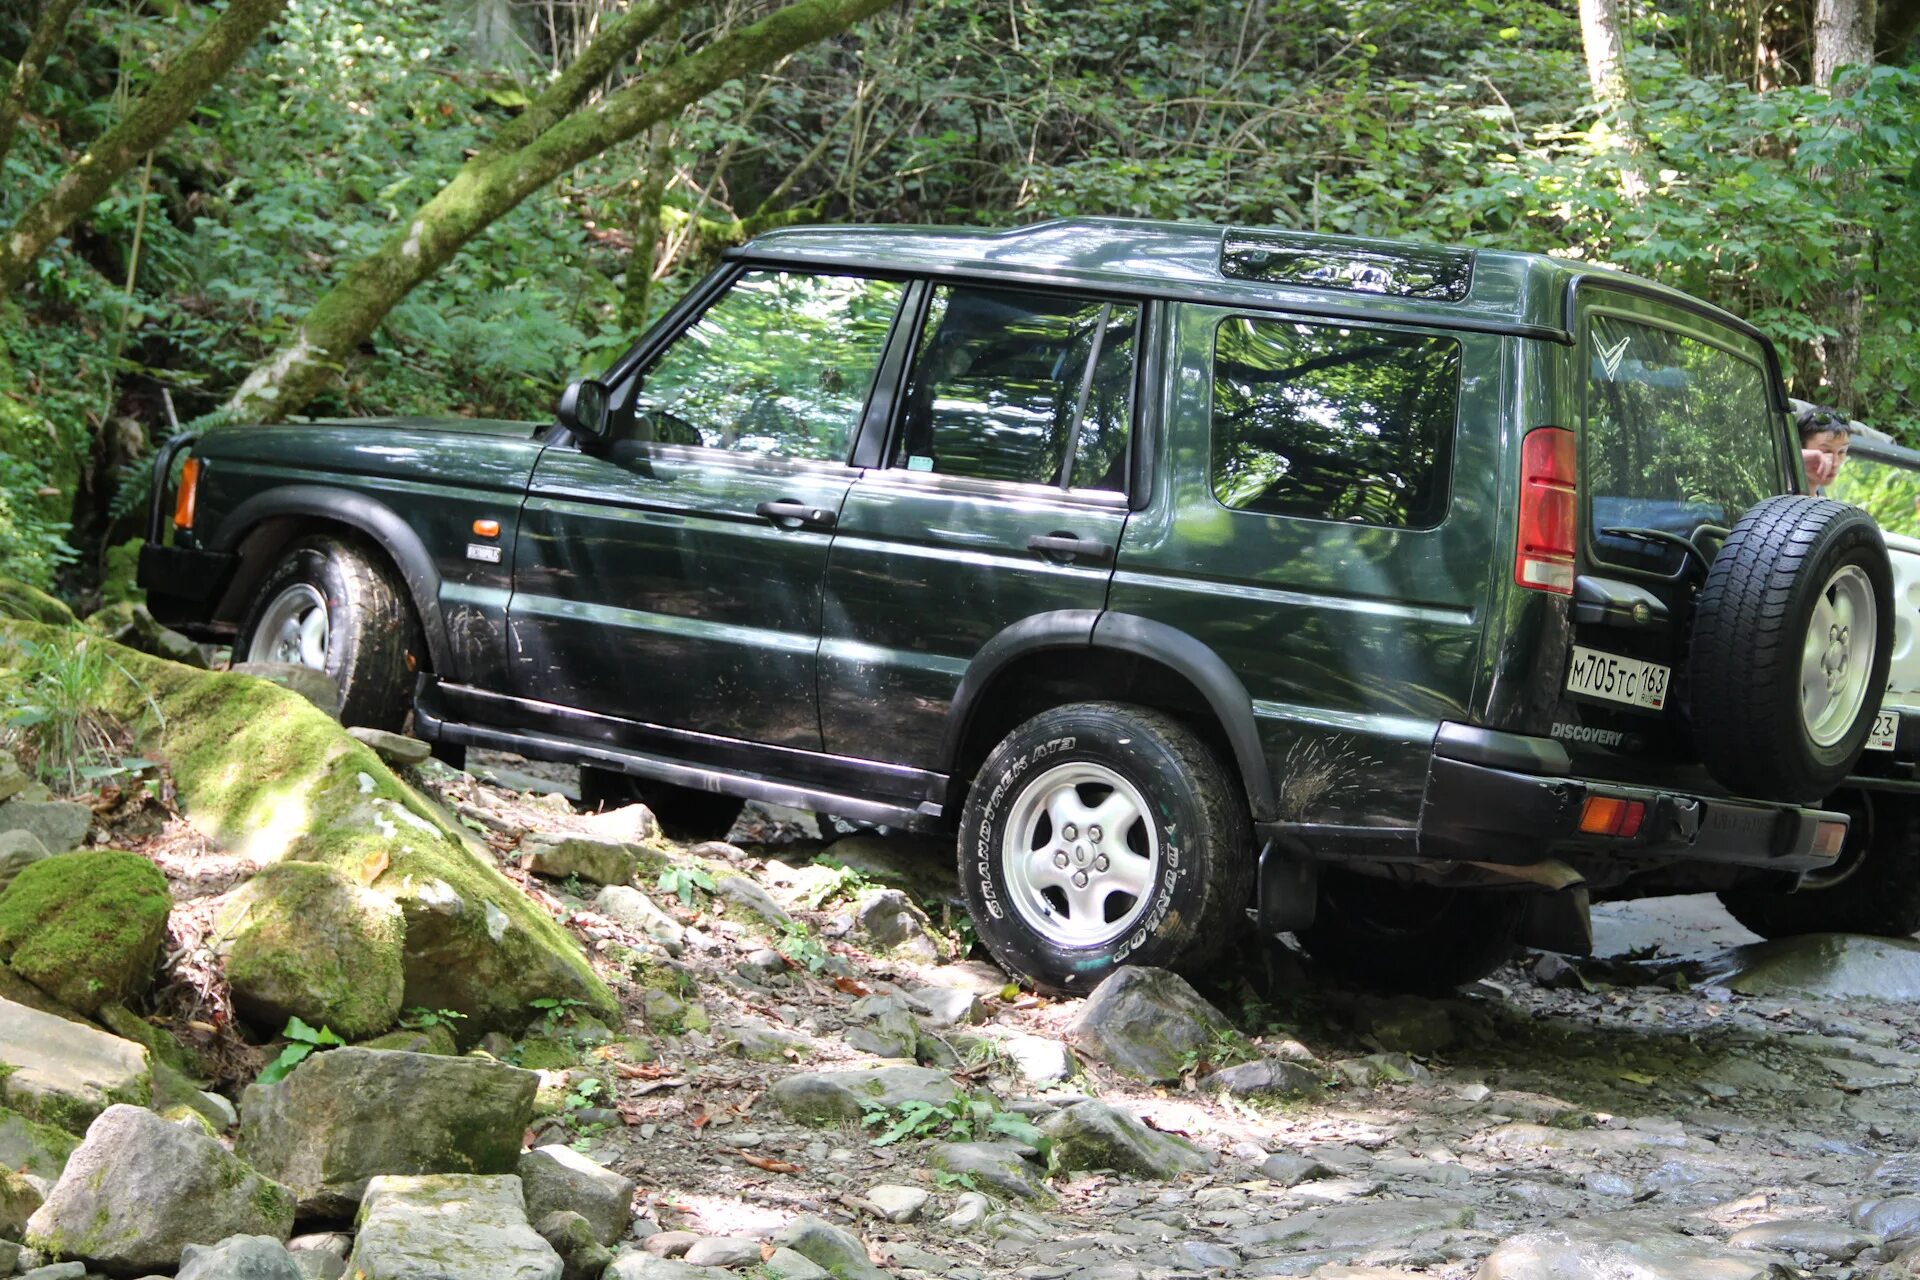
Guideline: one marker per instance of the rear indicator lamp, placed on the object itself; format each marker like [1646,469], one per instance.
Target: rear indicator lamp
[1543,558]
[1612,816]
[184,496]
[1828,839]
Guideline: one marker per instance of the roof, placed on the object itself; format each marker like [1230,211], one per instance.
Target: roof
[1504,292]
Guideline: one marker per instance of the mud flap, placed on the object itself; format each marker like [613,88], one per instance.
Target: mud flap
[1288,891]
[1558,921]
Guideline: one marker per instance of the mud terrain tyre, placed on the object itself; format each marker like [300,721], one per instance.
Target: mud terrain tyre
[1415,938]
[1781,696]
[336,605]
[1098,834]
[684,814]
[1873,887]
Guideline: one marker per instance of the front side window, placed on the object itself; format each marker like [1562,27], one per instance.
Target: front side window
[1679,433]
[1327,423]
[780,366]
[1021,388]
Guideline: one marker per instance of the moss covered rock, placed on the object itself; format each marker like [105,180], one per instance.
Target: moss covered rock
[32,1147]
[264,773]
[119,579]
[31,604]
[65,1073]
[301,940]
[437,1038]
[85,927]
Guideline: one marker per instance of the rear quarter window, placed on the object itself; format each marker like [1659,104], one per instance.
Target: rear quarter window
[1330,423]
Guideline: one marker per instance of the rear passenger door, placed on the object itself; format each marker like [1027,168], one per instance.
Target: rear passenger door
[1000,493]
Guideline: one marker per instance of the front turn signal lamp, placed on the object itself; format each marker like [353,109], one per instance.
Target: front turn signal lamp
[184,496]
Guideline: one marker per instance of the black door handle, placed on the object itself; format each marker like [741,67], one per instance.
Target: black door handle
[796,515]
[1068,547]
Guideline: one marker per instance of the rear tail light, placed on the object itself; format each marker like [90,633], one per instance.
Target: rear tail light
[1829,838]
[184,496]
[1543,559]
[1612,816]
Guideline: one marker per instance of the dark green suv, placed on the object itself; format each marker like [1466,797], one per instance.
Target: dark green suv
[1402,596]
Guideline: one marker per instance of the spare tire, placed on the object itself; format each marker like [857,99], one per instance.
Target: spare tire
[1791,641]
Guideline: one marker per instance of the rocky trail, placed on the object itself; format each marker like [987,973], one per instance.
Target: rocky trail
[801,1073]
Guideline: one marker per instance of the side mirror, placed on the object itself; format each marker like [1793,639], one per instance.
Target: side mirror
[583,410]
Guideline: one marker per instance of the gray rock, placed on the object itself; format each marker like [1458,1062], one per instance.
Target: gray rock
[1269,1075]
[826,1245]
[439,1226]
[899,1203]
[670,1244]
[59,825]
[336,1243]
[631,909]
[889,921]
[1593,1253]
[17,849]
[1144,1022]
[58,1271]
[20,1196]
[1823,966]
[970,1209]
[582,1255]
[13,780]
[558,855]
[762,966]
[1356,1226]
[644,1266]
[760,1041]
[1896,1219]
[1204,1255]
[1036,1059]
[1829,1241]
[723,1251]
[1291,1170]
[827,1097]
[745,893]
[239,1258]
[1093,1135]
[785,1264]
[998,1167]
[950,1006]
[316,687]
[319,1266]
[632,824]
[394,748]
[555,1178]
[350,1114]
[890,1031]
[1406,1024]
[922,867]
[140,1189]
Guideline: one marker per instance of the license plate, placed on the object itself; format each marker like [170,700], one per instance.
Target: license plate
[1886,727]
[1594,674]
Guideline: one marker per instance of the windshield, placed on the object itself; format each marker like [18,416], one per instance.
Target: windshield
[1886,491]
[1679,433]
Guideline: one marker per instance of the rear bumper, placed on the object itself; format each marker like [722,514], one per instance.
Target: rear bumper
[1510,799]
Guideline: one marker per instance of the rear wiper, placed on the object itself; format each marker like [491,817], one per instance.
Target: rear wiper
[1663,538]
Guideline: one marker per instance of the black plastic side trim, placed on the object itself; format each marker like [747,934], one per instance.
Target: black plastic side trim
[1610,602]
[1499,750]
[373,518]
[1061,629]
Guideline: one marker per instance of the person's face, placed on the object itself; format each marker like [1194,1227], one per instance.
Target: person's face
[1822,453]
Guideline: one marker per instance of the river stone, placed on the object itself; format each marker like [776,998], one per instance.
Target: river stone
[86,928]
[949,1006]
[1583,1253]
[826,1097]
[999,1167]
[394,748]
[890,921]
[1093,1135]
[785,1264]
[631,909]
[1823,966]
[554,1178]
[344,1116]
[439,1226]
[17,849]
[826,1245]
[899,1203]
[19,1198]
[301,940]
[1269,1075]
[316,687]
[1354,1226]
[13,779]
[644,1266]
[1290,1170]
[140,1189]
[747,894]
[59,825]
[1896,1219]
[1144,1022]
[557,856]
[1831,1241]
[30,1147]
[582,1256]
[63,1073]
[239,1258]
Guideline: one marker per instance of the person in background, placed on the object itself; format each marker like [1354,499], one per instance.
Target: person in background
[1824,435]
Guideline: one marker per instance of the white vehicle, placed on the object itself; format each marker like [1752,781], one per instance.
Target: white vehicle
[1874,885]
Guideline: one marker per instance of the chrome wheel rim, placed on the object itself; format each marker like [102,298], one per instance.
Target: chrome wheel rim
[1080,854]
[293,628]
[1838,656]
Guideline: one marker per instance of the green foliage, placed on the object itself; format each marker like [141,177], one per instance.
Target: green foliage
[682,882]
[303,1042]
[420,1019]
[798,944]
[844,884]
[54,712]
[557,1012]
[961,1119]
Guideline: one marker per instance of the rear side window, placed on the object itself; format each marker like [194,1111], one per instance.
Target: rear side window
[1333,423]
[1022,388]
[1679,433]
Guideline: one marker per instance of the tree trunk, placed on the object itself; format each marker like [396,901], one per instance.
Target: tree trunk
[637,298]
[47,30]
[1603,38]
[167,101]
[493,183]
[1843,35]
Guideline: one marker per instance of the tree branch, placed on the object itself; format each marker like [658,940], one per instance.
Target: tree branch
[46,34]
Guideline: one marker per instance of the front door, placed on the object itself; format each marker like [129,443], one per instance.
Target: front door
[674,576]
[1001,494]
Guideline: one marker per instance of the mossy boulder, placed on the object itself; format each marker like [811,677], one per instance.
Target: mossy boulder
[130,624]
[32,1147]
[65,1073]
[264,773]
[31,604]
[85,927]
[437,1038]
[119,579]
[301,940]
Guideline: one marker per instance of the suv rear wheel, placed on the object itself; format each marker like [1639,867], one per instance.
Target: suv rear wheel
[1410,937]
[1872,887]
[336,606]
[1098,834]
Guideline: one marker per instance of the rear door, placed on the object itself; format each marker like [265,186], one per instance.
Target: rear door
[1000,493]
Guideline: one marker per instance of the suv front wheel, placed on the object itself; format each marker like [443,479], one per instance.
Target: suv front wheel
[1098,834]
